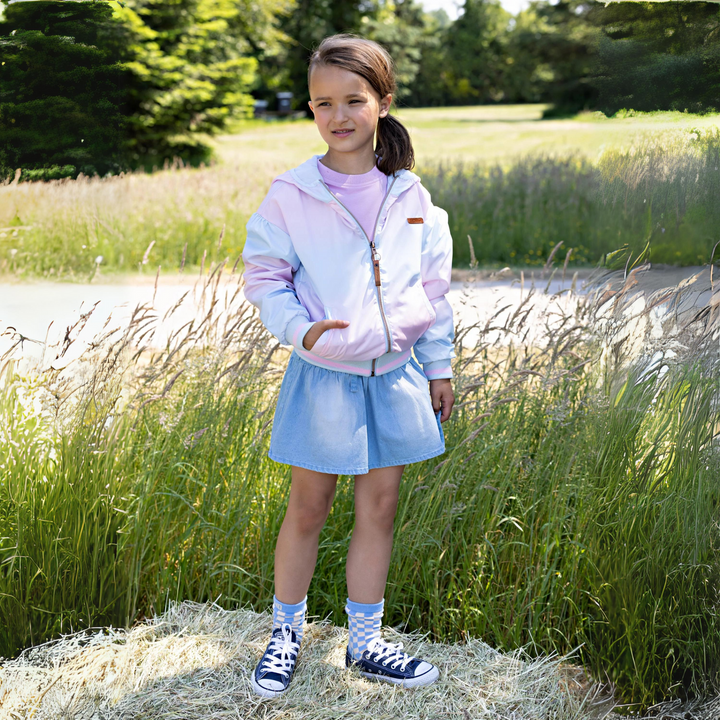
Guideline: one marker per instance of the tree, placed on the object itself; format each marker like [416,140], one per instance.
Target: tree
[400,28]
[62,90]
[104,86]
[191,75]
[566,46]
[659,56]
[527,75]
[475,53]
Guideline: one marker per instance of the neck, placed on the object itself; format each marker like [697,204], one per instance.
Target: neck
[358,162]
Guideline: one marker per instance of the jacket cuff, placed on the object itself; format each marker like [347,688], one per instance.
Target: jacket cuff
[296,329]
[437,369]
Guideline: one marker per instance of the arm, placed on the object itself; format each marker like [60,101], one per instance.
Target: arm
[270,261]
[435,347]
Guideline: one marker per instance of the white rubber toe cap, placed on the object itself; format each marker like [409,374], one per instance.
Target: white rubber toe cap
[268,688]
[425,673]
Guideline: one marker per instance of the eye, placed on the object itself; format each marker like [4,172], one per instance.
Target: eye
[323,103]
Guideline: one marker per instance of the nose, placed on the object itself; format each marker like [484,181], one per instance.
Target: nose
[340,114]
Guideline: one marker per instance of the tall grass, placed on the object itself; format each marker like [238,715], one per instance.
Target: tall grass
[178,217]
[575,508]
[663,191]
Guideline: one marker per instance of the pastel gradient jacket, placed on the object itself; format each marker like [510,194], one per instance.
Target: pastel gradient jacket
[323,266]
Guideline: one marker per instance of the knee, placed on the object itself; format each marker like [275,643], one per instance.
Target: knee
[310,513]
[381,511]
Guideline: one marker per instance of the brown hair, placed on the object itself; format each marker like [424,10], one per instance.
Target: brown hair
[372,62]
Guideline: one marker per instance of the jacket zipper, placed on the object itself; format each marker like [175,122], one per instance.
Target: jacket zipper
[375,255]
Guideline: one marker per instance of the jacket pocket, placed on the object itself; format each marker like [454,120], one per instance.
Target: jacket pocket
[325,341]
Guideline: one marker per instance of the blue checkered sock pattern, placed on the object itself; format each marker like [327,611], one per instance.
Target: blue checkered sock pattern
[364,621]
[294,615]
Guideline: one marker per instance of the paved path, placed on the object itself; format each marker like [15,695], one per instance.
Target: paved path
[42,311]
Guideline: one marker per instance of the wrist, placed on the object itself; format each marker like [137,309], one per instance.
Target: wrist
[296,330]
[438,370]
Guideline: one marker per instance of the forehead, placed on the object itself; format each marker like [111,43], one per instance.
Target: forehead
[336,82]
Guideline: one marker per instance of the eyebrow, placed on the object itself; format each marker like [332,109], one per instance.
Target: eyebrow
[327,97]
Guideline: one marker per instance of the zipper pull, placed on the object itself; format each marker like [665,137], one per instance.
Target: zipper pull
[376,263]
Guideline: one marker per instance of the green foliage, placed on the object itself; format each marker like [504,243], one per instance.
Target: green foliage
[576,504]
[402,32]
[663,191]
[62,90]
[474,51]
[657,56]
[99,88]
[463,63]
[191,76]
[544,53]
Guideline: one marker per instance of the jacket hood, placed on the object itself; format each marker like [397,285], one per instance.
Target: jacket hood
[307,178]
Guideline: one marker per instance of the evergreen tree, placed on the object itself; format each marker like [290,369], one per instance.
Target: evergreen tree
[191,75]
[659,56]
[62,90]
[97,87]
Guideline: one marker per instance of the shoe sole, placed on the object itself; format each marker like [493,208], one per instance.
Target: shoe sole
[429,677]
[264,692]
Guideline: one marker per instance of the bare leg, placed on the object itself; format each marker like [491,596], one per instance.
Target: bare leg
[311,496]
[368,561]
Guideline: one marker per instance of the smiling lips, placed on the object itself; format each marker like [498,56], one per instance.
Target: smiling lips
[342,133]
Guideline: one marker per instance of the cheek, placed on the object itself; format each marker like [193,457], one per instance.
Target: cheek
[320,119]
[368,116]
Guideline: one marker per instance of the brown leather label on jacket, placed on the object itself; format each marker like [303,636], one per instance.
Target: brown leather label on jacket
[415,221]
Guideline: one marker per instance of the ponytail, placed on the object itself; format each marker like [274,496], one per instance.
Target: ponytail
[394,147]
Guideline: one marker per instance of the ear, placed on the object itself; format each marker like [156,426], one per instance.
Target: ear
[310,105]
[385,104]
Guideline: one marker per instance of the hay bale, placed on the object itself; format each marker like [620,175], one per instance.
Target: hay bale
[195,661]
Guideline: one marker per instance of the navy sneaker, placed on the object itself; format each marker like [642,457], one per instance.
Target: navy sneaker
[383,661]
[275,669]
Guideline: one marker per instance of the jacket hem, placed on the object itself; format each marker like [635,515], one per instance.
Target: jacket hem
[384,364]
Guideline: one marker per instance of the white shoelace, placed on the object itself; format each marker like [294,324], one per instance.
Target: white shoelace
[391,653]
[281,648]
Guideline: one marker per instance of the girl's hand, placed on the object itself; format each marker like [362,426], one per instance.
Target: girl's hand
[314,333]
[442,396]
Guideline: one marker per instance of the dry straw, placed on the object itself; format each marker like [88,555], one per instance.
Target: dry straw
[195,662]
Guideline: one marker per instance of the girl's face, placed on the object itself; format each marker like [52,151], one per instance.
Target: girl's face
[346,108]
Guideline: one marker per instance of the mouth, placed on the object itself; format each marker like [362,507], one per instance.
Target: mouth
[343,133]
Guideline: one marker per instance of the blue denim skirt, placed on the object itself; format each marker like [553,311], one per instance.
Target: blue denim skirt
[347,424]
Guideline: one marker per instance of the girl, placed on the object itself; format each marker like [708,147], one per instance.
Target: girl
[349,262]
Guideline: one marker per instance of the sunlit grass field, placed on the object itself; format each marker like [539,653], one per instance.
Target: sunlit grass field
[516,184]
[487,133]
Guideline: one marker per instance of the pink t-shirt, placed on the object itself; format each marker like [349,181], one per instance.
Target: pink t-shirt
[362,194]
